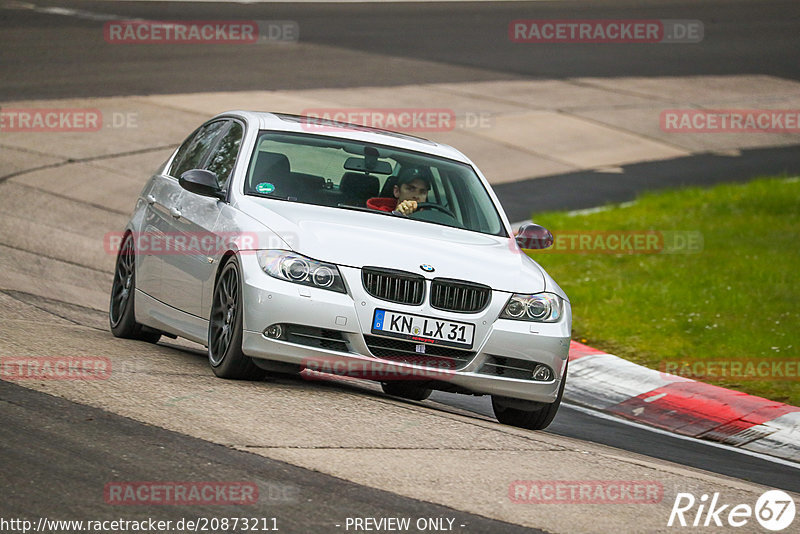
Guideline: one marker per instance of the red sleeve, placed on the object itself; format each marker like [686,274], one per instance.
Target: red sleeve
[382,204]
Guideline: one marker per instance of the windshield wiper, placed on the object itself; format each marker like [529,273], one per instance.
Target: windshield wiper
[360,208]
[276,197]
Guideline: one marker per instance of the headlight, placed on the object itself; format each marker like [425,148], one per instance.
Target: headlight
[295,268]
[540,308]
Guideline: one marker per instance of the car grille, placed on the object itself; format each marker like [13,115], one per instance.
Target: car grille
[458,296]
[314,337]
[508,367]
[434,356]
[395,286]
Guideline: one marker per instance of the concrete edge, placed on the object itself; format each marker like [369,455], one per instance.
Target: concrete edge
[613,385]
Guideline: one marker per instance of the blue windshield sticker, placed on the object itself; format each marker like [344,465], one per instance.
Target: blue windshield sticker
[265,187]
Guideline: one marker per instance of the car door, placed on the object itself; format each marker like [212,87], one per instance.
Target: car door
[150,233]
[168,217]
[198,219]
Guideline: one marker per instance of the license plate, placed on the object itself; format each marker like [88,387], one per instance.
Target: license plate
[423,329]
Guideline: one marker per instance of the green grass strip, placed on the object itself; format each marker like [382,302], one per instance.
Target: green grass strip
[728,314]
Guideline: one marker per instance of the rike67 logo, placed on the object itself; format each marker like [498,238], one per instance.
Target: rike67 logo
[774,510]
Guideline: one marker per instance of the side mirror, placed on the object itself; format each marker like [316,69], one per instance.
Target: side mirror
[202,182]
[533,236]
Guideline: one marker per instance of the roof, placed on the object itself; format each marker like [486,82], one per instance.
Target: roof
[314,125]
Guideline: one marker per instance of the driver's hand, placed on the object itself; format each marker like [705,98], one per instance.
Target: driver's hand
[407,207]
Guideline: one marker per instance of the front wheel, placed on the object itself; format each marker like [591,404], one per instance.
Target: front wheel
[537,417]
[121,317]
[225,329]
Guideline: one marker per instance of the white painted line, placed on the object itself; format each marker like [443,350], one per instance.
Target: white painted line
[655,397]
[601,415]
[65,12]
[589,211]
[15,5]
[338,1]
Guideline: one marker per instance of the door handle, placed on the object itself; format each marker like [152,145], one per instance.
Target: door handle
[151,199]
[175,212]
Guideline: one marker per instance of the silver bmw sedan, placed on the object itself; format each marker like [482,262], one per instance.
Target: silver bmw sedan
[286,243]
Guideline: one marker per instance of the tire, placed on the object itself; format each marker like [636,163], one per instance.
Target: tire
[121,316]
[532,419]
[225,328]
[406,390]
[273,367]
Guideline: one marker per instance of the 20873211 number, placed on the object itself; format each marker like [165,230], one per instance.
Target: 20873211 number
[233,524]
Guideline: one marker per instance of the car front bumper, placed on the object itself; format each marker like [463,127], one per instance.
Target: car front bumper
[269,301]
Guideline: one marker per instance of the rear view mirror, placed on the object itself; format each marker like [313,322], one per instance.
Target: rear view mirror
[534,237]
[367,164]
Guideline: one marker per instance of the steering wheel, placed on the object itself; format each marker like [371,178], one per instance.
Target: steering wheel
[434,205]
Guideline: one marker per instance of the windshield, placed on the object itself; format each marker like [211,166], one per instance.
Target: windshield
[347,174]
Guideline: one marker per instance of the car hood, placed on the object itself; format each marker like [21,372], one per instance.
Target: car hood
[357,239]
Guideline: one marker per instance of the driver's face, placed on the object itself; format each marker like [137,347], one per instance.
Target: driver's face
[416,189]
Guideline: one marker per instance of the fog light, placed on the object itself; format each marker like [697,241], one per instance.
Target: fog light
[542,373]
[274,331]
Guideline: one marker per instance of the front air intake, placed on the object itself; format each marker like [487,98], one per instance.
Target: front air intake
[459,296]
[394,286]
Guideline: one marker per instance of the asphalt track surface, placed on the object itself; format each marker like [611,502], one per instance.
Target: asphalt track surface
[588,189]
[576,423]
[73,450]
[53,56]
[46,55]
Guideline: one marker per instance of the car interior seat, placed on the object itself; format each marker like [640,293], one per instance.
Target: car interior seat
[388,187]
[357,188]
[273,168]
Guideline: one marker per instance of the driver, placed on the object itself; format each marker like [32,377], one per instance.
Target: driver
[412,188]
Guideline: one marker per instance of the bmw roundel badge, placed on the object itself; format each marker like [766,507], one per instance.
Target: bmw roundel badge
[427,268]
